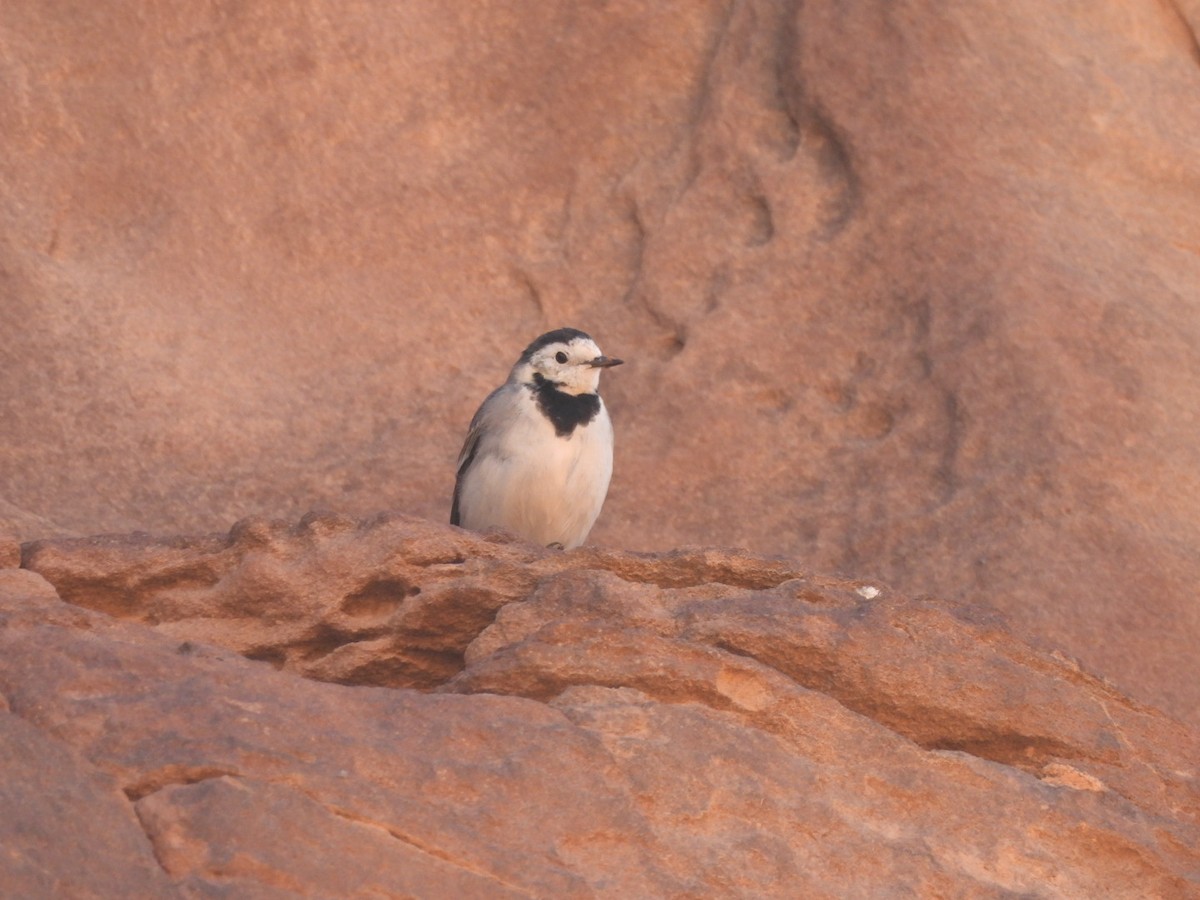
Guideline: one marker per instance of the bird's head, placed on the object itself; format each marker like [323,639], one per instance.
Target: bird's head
[567,358]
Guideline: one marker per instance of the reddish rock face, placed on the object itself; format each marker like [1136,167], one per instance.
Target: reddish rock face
[592,723]
[908,290]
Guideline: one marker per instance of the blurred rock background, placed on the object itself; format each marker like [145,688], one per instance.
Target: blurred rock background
[908,291]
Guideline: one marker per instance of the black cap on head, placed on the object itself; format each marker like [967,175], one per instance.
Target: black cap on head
[559,336]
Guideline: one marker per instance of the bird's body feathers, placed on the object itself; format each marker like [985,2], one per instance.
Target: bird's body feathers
[538,456]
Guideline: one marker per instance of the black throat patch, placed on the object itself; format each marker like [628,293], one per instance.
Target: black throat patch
[566,412]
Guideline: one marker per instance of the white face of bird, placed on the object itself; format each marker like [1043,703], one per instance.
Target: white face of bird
[574,366]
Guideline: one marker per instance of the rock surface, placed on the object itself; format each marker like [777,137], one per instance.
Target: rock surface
[908,289]
[592,723]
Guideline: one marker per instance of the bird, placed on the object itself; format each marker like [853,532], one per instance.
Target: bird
[537,460]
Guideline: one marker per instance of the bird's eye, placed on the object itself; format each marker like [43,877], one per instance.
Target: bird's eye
[561,357]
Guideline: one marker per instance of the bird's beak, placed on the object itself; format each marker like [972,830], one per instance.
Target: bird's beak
[605,362]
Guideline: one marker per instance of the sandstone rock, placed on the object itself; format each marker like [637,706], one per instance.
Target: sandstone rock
[600,723]
[388,602]
[66,828]
[271,835]
[907,290]
[18,525]
[67,831]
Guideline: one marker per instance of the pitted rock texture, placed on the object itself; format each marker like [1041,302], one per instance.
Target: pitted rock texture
[907,288]
[386,602]
[594,723]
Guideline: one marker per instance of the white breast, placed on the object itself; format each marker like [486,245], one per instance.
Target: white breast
[528,480]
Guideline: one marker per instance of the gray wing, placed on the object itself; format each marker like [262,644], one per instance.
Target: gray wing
[485,419]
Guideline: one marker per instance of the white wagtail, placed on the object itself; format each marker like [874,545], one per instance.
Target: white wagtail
[538,458]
